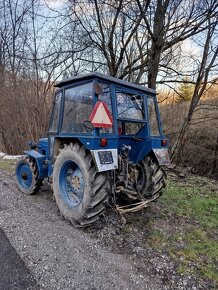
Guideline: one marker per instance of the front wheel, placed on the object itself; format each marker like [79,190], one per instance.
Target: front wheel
[26,172]
[80,191]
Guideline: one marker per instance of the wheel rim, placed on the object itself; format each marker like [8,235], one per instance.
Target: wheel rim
[24,175]
[71,183]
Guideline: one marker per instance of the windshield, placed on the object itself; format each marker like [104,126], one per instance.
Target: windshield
[129,106]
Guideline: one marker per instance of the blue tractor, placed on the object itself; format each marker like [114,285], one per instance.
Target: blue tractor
[104,144]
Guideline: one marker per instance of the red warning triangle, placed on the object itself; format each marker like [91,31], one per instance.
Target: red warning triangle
[101,116]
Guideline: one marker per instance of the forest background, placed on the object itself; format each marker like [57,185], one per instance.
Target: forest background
[167,45]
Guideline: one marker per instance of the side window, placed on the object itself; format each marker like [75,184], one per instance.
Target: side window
[56,113]
[152,115]
[77,109]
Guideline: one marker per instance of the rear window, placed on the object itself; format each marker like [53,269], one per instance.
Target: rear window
[129,106]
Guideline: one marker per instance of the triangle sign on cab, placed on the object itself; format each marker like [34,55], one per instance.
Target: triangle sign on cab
[101,116]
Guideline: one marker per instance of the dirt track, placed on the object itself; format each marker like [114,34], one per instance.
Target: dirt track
[58,255]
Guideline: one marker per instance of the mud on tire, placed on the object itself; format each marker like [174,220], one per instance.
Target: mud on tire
[80,191]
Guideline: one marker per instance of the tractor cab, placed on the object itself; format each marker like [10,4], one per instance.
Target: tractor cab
[104,112]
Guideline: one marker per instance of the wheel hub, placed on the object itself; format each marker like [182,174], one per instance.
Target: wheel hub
[76,182]
[24,176]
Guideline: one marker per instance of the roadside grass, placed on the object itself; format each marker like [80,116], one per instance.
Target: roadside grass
[7,165]
[193,243]
[199,254]
[195,201]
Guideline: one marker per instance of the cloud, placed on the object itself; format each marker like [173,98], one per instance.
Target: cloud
[53,3]
[189,48]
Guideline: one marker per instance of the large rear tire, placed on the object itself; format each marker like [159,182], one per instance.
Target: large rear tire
[151,178]
[80,191]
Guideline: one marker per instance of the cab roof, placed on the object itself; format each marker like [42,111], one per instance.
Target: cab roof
[101,77]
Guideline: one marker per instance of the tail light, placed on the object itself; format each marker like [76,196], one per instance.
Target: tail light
[103,142]
[164,143]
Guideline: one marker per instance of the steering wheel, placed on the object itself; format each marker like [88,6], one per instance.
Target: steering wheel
[88,125]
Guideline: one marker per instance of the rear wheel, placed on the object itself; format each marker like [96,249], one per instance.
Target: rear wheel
[80,191]
[149,177]
[27,176]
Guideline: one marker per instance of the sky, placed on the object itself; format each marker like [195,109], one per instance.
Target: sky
[54,4]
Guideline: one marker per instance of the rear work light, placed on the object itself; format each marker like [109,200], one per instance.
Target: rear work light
[103,142]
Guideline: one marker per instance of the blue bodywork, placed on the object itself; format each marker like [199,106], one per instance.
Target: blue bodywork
[41,157]
[142,142]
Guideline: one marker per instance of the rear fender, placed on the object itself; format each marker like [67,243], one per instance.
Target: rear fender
[40,160]
[162,156]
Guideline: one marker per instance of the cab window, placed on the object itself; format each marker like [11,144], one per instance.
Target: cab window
[78,106]
[56,113]
[129,106]
[152,115]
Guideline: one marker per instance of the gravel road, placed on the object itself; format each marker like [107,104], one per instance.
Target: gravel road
[58,255]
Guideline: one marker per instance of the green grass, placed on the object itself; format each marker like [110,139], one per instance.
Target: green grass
[7,165]
[194,245]
[196,202]
[157,240]
[201,251]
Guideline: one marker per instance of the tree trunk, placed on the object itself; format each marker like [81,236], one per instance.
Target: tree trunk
[215,157]
[157,42]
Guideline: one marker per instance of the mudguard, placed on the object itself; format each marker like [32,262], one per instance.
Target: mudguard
[40,161]
[162,156]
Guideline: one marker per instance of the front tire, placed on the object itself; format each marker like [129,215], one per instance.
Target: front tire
[27,176]
[80,191]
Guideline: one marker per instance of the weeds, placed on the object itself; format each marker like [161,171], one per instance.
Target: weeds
[7,165]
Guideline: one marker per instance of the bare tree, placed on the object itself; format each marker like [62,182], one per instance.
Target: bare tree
[206,67]
[110,27]
[135,40]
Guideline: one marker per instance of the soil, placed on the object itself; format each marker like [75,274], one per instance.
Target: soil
[109,255]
